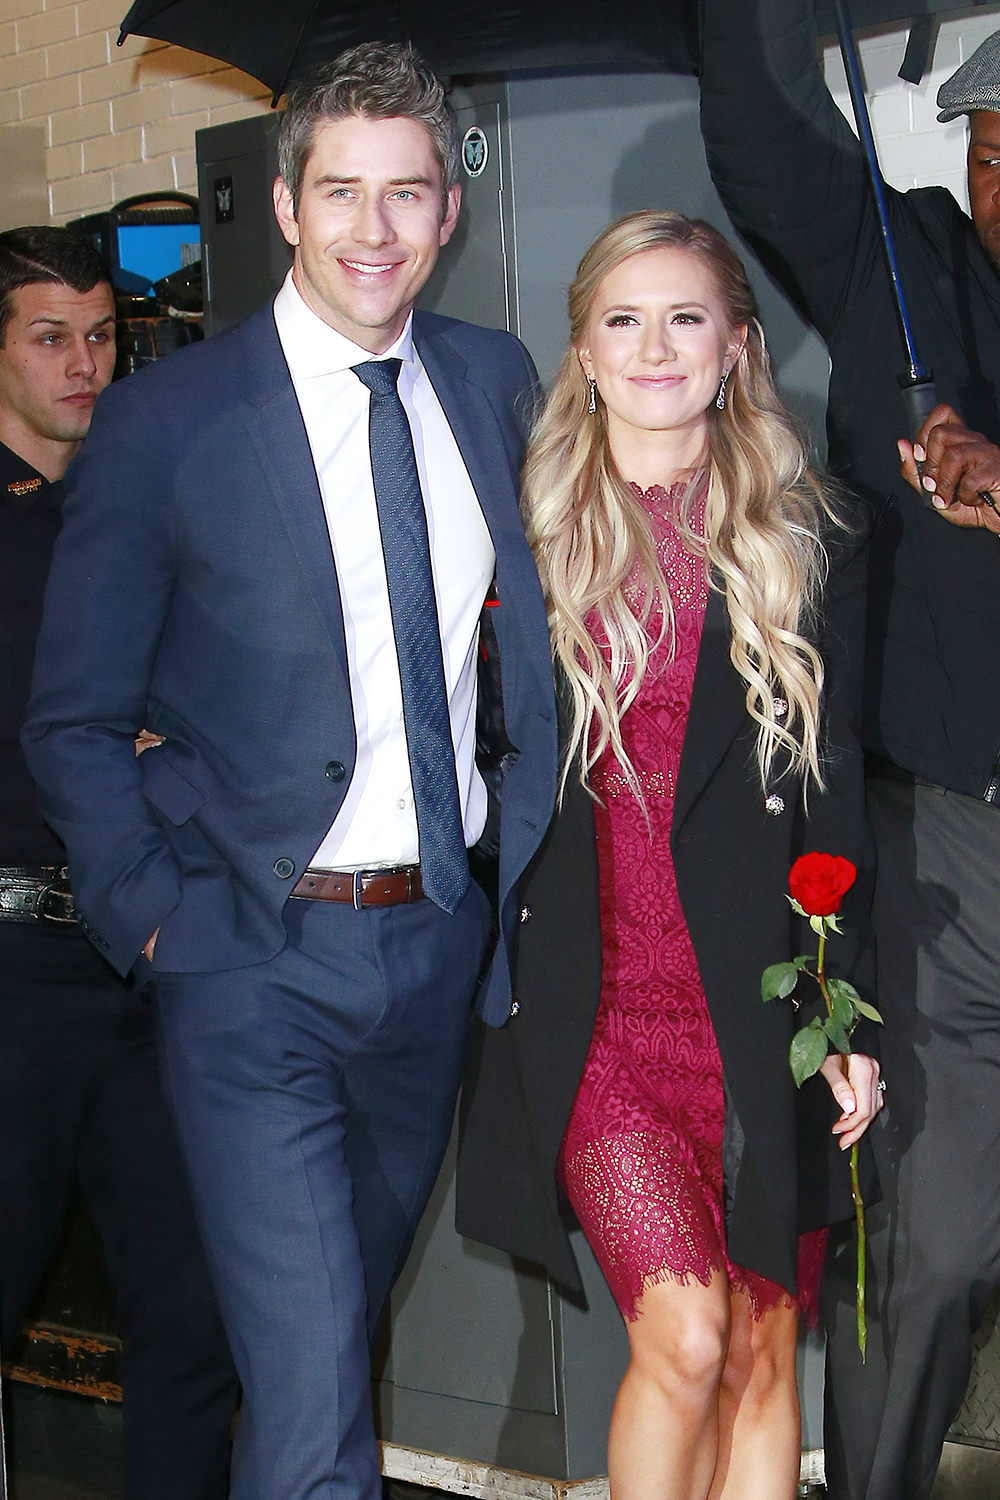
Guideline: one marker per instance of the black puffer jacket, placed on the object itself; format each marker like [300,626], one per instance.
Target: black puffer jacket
[790,173]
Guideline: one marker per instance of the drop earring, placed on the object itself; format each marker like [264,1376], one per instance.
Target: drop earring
[720,399]
[592,403]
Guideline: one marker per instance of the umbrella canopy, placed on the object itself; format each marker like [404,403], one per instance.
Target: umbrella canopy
[278,40]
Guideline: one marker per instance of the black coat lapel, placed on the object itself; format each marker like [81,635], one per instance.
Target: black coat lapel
[718,708]
[278,434]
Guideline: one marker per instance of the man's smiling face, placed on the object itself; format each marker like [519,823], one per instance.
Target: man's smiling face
[370,221]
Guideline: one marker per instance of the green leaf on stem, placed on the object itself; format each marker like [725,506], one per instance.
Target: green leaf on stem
[842,1008]
[803,959]
[807,1052]
[868,1011]
[778,981]
[839,1038]
[841,987]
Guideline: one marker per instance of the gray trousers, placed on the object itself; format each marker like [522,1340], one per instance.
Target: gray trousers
[934,1242]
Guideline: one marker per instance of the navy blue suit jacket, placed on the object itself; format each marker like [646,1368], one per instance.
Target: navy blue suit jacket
[194,592]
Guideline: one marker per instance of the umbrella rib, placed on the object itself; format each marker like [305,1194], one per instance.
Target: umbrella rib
[279,87]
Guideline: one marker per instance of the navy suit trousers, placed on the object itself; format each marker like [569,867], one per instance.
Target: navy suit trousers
[314,1096]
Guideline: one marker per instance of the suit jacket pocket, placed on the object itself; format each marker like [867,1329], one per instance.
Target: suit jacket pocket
[169,792]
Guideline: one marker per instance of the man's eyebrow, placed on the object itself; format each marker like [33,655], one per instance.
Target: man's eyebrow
[416,180]
[43,318]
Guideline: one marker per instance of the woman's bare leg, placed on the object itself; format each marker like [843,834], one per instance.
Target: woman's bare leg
[759,1424]
[664,1435]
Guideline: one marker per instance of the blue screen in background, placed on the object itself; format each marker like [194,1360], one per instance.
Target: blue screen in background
[154,250]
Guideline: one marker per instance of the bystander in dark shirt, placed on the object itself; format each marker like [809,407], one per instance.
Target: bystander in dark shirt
[30,518]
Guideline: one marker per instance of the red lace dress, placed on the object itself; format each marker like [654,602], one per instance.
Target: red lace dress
[641,1161]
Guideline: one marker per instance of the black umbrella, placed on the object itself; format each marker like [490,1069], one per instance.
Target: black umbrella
[278,40]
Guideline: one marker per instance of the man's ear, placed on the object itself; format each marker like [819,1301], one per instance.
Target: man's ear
[452,204]
[284,210]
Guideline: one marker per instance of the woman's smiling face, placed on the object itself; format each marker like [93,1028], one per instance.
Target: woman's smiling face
[658,343]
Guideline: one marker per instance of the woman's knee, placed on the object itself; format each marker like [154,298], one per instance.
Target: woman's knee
[760,1364]
[681,1343]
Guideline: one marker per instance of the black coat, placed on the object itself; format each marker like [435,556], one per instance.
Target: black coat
[795,186]
[732,860]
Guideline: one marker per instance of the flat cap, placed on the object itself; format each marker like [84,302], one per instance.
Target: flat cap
[976,84]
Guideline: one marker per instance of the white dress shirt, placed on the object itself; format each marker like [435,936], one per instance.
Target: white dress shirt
[377,825]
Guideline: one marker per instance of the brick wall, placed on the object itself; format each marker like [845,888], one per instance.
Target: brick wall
[122,120]
[118,120]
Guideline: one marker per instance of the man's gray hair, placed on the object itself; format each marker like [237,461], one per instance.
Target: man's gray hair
[379,80]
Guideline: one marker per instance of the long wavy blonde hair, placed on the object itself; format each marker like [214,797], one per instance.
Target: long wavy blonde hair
[595,547]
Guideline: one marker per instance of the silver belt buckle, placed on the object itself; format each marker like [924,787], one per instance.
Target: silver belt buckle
[356,886]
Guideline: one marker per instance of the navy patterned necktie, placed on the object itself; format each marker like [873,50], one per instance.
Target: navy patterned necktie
[444,864]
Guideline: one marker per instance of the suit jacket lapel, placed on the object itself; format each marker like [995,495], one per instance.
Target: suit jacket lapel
[477,432]
[718,708]
[278,435]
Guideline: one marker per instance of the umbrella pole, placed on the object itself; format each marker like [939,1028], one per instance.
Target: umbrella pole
[917,381]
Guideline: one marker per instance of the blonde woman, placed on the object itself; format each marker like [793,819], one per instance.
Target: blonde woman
[702,631]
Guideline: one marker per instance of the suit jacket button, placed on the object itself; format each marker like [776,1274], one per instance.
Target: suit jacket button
[335,771]
[515,1007]
[284,869]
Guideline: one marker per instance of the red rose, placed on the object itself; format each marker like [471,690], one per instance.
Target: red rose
[819,882]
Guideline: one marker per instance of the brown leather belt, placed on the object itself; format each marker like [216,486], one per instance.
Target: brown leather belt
[362,887]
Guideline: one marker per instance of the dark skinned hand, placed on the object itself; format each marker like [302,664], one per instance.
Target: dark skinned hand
[960,468]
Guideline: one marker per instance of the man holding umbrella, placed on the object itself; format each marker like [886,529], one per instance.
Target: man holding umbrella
[796,188]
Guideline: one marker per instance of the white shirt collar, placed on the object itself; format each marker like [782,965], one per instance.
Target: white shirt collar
[312,348]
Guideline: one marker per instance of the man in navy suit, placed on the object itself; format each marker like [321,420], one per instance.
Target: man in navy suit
[288,867]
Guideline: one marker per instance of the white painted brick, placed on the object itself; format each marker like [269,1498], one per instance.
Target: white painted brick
[81,195]
[224,113]
[139,107]
[143,177]
[64,161]
[19,68]
[173,134]
[974,30]
[890,114]
[79,124]
[13,10]
[50,26]
[931,153]
[212,90]
[186,172]
[110,82]
[100,15]
[41,99]
[77,55]
[106,151]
